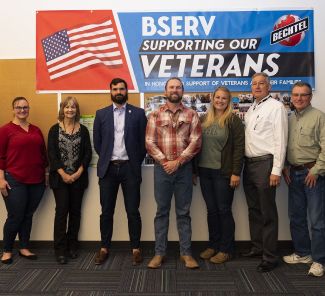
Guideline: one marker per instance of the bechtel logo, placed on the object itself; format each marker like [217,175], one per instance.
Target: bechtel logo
[289,30]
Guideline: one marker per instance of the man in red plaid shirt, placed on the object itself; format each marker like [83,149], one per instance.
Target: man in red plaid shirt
[173,138]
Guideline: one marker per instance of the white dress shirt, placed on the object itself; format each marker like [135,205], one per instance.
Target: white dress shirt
[266,131]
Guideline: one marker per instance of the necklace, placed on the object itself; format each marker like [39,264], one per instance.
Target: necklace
[174,118]
[65,130]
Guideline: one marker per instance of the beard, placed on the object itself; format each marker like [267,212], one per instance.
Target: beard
[119,99]
[174,98]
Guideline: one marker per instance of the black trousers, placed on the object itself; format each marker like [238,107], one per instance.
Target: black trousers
[262,210]
[68,200]
[120,175]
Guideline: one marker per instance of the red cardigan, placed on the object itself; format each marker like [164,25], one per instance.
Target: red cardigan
[23,154]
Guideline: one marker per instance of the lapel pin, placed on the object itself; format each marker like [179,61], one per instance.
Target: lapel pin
[130,111]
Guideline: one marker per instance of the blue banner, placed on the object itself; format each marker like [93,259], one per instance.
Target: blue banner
[210,49]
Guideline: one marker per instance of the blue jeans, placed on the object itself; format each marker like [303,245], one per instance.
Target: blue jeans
[218,196]
[179,184]
[21,203]
[303,200]
[117,175]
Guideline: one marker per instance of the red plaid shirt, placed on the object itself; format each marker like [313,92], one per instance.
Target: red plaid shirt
[168,140]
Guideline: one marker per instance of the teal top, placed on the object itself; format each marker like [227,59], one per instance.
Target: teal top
[214,139]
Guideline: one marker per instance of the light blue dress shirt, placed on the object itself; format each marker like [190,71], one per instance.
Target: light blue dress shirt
[119,150]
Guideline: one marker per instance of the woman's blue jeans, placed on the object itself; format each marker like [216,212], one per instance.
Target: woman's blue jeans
[218,196]
[21,203]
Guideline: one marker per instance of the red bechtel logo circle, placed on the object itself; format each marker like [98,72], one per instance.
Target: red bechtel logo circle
[287,20]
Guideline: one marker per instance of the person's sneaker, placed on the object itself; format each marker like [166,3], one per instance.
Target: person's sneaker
[220,258]
[316,269]
[207,253]
[294,259]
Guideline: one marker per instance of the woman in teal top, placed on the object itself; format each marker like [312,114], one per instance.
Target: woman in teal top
[219,166]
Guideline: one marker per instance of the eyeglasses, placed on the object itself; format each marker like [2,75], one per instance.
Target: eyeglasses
[294,95]
[21,108]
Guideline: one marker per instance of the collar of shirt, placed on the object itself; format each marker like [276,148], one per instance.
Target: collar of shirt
[261,101]
[165,107]
[304,111]
[115,108]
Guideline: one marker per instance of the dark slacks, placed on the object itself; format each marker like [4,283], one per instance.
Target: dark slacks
[21,203]
[117,175]
[218,196]
[262,210]
[68,199]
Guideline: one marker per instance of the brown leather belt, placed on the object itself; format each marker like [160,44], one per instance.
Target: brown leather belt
[304,166]
[259,158]
[119,161]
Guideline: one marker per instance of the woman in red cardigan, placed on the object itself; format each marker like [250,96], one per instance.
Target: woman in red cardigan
[22,178]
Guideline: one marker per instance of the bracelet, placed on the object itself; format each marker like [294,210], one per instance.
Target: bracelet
[46,174]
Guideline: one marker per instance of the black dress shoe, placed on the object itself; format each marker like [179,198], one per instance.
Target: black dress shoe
[73,254]
[61,259]
[29,257]
[7,261]
[252,254]
[266,266]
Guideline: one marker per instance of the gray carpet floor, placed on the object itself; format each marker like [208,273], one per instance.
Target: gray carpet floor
[118,277]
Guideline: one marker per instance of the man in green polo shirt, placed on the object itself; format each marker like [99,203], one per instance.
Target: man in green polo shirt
[305,177]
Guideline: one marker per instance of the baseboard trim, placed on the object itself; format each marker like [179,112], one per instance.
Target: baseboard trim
[240,245]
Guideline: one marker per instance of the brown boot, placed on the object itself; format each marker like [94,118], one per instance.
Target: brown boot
[136,257]
[101,256]
[189,261]
[207,253]
[220,258]
[156,261]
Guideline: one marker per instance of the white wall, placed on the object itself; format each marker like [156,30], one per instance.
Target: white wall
[17,23]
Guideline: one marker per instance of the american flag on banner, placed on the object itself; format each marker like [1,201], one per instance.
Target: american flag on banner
[70,50]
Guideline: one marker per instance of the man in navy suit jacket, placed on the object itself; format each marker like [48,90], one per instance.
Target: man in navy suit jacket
[119,140]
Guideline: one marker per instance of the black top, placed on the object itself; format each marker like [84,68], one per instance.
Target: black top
[56,161]
[69,146]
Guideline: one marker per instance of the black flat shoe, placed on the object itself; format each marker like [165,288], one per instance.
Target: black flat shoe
[252,254]
[7,261]
[73,254]
[29,257]
[61,259]
[266,266]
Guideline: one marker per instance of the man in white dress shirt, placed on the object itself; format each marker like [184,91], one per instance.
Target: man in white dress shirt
[266,131]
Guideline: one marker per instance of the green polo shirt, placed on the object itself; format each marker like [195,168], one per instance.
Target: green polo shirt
[306,141]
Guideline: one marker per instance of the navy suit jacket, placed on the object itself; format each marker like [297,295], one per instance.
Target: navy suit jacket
[134,137]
